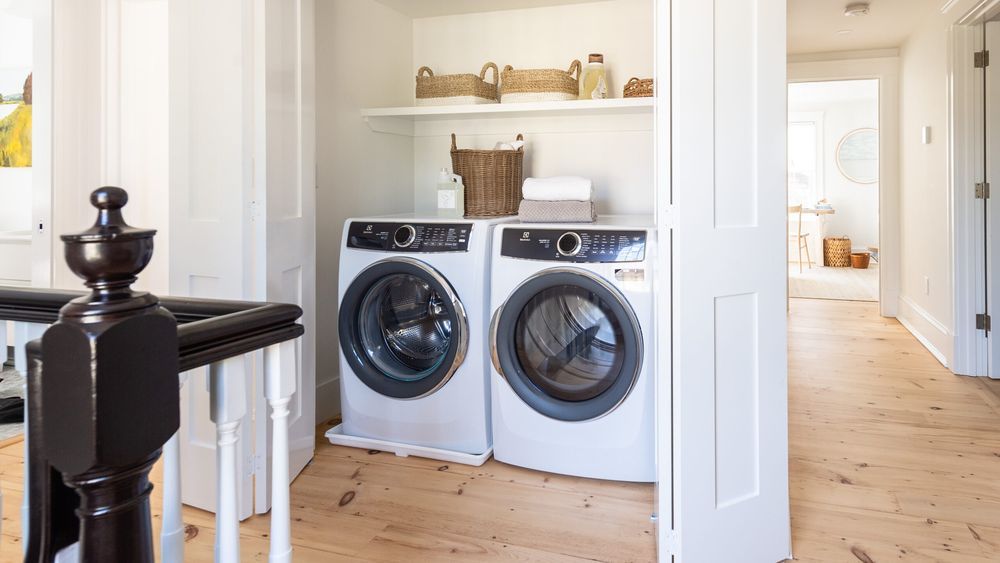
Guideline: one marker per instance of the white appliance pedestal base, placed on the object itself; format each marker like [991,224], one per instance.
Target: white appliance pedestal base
[338,438]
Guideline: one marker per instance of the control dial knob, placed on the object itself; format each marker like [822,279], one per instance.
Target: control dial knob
[404,236]
[569,244]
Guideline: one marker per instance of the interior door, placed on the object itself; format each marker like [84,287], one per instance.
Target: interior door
[285,194]
[992,204]
[210,184]
[730,445]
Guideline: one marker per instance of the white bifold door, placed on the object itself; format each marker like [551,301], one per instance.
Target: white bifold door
[991,100]
[729,373]
[242,189]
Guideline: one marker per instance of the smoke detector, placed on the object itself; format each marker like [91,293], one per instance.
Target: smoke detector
[857,9]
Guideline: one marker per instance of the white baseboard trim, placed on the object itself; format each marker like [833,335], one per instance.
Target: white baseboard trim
[327,399]
[929,331]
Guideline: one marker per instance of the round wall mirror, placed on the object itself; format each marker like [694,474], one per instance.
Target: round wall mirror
[857,156]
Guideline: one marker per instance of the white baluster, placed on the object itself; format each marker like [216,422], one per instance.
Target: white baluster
[228,406]
[24,333]
[279,385]
[172,532]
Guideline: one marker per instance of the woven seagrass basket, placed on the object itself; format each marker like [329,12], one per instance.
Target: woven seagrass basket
[451,89]
[638,88]
[837,252]
[492,179]
[540,84]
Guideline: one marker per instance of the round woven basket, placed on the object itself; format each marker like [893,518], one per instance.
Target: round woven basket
[492,179]
[456,88]
[837,252]
[860,260]
[638,88]
[541,84]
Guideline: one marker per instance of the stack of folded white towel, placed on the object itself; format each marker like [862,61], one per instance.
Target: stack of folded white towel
[559,199]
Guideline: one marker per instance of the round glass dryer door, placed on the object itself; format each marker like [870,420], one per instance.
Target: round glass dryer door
[568,344]
[402,328]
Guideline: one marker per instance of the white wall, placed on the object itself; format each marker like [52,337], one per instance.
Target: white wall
[926,306]
[845,107]
[363,58]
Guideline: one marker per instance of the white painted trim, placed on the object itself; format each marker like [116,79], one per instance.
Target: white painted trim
[965,221]
[667,537]
[932,333]
[948,5]
[886,70]
[41,141]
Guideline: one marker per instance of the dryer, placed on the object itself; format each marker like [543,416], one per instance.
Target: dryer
[572,348]
[412,326]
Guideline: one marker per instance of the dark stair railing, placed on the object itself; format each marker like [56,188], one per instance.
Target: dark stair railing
[103,394]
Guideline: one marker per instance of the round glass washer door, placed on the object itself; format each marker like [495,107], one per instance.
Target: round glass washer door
[568,344]
[403,329]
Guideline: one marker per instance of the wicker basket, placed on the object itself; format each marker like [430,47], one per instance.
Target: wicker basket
[638,88]
[837,252]
[860,260]
[540,85]
[492,179]
[451,89]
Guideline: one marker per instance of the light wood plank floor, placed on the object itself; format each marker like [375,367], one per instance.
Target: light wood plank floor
[892,458]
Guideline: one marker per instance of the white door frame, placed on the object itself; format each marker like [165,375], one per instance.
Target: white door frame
[882,65]
[965,169]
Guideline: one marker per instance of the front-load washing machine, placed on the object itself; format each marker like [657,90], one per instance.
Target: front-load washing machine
[572,348]
[413,323]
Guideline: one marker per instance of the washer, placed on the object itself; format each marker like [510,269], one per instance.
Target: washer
[571,341]
[413,323]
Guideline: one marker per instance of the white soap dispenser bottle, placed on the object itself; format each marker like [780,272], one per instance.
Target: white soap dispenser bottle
[450,195]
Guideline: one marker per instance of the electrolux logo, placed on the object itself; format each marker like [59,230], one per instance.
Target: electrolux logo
[526,236]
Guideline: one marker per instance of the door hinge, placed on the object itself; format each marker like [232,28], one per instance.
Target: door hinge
[983,322]
[981,59]
[982,190]
[251,465]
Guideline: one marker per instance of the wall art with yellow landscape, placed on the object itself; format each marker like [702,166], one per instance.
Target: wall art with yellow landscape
[15,127]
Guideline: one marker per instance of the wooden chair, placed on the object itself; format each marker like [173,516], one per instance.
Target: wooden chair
[795,233]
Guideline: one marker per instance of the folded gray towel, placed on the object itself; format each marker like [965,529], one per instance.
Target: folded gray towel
[557,211]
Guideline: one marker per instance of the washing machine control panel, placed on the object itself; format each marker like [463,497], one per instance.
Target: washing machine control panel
[574,245]
[409,237]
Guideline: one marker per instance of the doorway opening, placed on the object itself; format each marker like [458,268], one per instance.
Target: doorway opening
[833,190]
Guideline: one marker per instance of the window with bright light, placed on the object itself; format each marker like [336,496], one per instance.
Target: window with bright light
[803,169]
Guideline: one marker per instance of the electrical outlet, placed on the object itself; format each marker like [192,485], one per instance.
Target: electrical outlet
[927,285]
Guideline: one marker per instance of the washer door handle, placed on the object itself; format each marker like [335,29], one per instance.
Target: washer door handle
[494,354]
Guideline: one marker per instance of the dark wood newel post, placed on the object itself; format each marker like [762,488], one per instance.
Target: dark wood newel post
[109,396]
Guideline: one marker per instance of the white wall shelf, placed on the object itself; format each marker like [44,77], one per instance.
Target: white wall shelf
[400,120]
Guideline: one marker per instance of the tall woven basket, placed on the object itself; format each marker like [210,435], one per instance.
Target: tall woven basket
[492,179]
[837,252]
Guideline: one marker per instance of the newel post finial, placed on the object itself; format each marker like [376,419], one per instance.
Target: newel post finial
[110,254]
[108,385]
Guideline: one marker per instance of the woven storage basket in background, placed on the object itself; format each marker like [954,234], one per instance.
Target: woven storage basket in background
[837,252]
[540,84]
[638,88]
[492,179]
[451,89]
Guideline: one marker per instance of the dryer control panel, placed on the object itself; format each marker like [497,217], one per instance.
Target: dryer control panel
[581,245]
[409,237]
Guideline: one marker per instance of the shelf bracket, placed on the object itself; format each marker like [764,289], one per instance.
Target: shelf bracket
[390,125]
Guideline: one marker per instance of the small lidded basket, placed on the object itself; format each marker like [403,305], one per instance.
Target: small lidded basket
[456,89]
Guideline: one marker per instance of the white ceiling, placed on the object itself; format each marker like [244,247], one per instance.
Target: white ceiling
[813,24]
[433,8]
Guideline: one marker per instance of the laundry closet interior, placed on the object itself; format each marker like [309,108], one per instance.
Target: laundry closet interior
[379,153]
